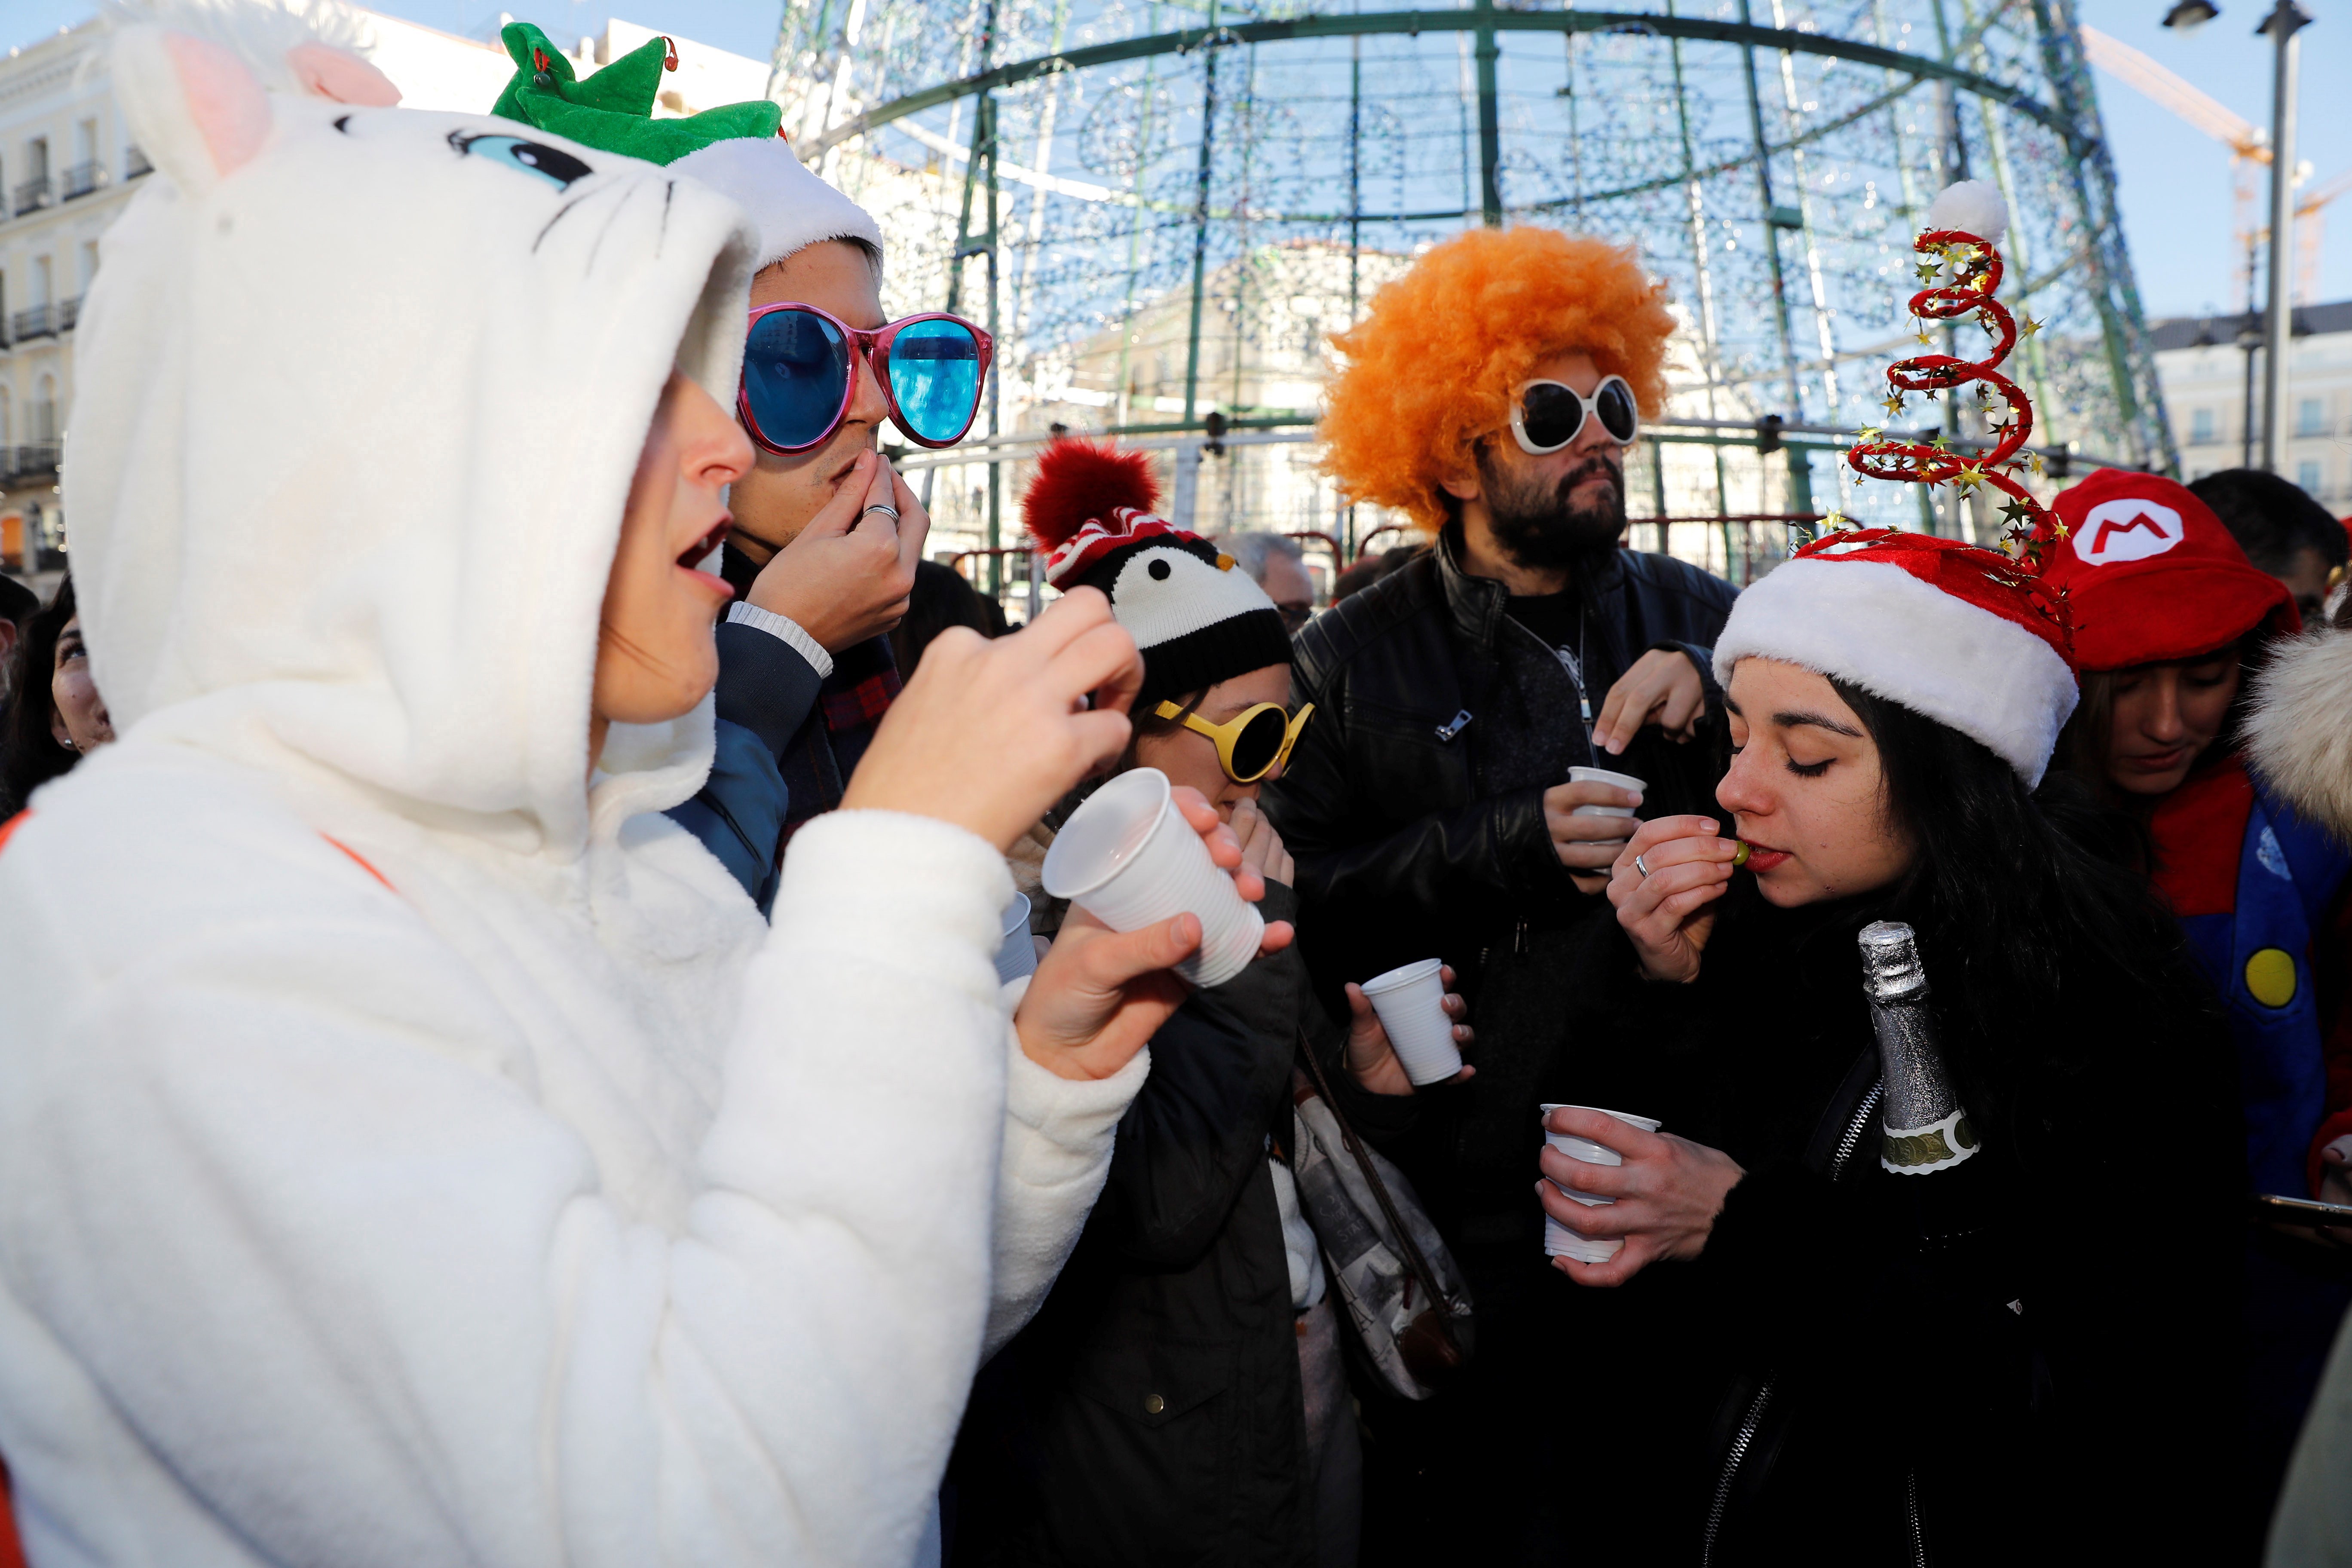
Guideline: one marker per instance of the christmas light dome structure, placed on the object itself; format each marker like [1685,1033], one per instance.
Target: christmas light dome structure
[1168,208]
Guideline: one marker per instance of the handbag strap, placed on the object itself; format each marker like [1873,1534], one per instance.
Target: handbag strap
[1413,1258]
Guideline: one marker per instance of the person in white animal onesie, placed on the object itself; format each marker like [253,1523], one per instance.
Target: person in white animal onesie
[414,1148]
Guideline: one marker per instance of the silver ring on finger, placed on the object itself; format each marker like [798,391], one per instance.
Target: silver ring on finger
[1642,866]
[881,506]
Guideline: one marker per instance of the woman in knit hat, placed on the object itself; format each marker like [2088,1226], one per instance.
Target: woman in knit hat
[1180,1398]
[2024,1390]
[2171,621]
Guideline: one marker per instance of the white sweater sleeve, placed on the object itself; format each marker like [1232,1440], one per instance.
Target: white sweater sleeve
[275,1193]
[1059,1134]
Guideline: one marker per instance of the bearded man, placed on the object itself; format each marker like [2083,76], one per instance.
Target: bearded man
[1490,395]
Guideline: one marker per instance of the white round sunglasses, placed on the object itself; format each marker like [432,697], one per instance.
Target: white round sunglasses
[1548,414]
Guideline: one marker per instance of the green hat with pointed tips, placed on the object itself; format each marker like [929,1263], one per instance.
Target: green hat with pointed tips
[613,110]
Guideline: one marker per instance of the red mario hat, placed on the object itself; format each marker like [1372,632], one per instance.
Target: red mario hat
[1963,635]
[2149,573]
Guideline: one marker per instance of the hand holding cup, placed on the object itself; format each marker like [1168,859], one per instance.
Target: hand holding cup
[1661,1200]
[1373,1060]
[1099,995]
[1665,885]
[1587,844]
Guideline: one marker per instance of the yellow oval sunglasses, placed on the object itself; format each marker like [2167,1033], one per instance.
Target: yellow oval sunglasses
[1253,742]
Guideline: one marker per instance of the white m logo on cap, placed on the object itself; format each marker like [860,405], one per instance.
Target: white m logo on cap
[2128,529]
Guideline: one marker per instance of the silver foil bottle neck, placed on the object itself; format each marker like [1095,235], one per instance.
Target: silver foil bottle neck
[1891,971]
[1924,1127]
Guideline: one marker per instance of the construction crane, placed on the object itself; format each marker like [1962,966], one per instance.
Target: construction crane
[2249,144]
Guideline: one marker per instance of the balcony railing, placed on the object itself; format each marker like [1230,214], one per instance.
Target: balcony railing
[40,321]
[34,460]
[32,195]
[68,312]
[84,178]
[135,163]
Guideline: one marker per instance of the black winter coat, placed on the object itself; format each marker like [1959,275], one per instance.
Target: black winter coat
[2056,1389]
[1414,805]
[1151,1413]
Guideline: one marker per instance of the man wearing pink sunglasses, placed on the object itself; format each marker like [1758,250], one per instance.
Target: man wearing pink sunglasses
[823,543]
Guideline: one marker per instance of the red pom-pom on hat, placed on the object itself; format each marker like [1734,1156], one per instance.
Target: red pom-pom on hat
[1080,481]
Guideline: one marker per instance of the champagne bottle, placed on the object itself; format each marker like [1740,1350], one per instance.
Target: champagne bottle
[1924,1128]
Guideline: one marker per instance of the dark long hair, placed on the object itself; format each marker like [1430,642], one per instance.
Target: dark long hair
[32,756]
[2015,893]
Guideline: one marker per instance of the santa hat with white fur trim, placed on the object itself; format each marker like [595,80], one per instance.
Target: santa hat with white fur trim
[1196,619]
[790,205]
[1961,634]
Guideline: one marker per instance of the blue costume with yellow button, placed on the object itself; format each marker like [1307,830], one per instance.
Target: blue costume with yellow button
[2252,883]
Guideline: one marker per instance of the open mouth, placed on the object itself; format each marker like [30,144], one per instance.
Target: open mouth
[1763,857]
[695,553]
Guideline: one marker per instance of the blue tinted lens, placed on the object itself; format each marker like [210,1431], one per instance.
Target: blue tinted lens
[935,374]
[796,372]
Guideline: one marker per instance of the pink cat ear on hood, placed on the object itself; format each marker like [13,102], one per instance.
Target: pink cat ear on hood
[329,72]
[226,104]
[193,107]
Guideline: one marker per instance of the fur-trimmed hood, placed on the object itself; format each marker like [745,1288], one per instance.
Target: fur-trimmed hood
[2299,728]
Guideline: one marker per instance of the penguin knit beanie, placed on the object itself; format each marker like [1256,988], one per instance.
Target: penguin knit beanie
[1196,619]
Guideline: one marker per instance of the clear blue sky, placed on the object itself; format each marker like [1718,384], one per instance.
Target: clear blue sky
[2176,180]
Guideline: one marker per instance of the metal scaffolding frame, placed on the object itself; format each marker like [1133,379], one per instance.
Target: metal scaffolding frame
[1209,146]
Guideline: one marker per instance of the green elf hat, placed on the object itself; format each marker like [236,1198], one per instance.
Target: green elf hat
[612,110]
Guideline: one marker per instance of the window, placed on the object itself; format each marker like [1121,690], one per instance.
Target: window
[86,141]
[2311,417]
[2204,429]
[36,158]
[88,263]
[2306,476]
[40,281]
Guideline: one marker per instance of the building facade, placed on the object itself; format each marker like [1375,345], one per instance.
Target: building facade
[2206,367]
[68,167]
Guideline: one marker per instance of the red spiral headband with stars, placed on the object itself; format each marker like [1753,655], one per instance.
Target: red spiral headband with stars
[1976,267]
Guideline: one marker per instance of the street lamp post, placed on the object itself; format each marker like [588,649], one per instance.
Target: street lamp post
[2283,23]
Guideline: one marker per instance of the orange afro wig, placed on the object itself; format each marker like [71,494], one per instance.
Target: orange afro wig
[1431,367]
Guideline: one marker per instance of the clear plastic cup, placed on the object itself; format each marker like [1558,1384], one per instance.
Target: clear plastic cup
[1410,1002]
[1128,857]
[1559,1240]
[1016,953]
[1602,776]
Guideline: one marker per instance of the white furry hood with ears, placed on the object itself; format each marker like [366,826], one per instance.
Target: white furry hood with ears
[361,393]
[2299,730]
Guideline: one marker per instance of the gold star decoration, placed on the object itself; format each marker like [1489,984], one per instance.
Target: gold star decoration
[1939,444]
[2017,512]
[1867,434]
[1927,270]
[1894,403]
[2030,327]
[1968,478]
[1925,339]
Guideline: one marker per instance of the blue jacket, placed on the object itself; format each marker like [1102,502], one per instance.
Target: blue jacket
[766,691]
[2253,884]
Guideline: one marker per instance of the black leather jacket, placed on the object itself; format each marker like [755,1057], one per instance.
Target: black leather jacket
[1414,805]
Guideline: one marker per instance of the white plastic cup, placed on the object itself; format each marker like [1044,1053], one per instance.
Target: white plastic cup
[1129,858]
[1602,776]
[1410,1002]
[1559,1240]
[1016,955]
